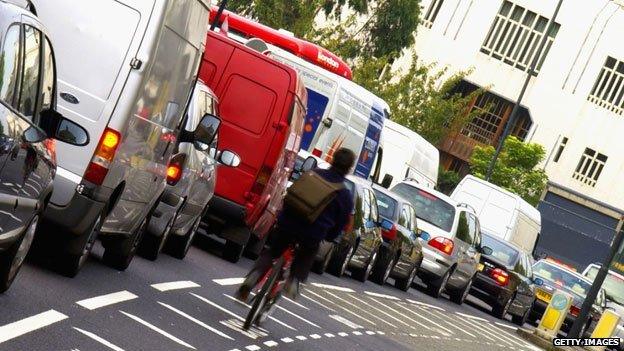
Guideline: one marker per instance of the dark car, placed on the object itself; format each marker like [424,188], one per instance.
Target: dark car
[505,280]
[358,247]
[401,253]
[28,124]
[553,276]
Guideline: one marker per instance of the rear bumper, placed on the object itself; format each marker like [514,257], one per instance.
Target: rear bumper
[77,217]
[486,289]
[434,265]
[227,218]
[167,207]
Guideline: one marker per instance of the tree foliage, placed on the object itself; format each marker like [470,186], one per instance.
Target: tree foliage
[447,181]
[516,169]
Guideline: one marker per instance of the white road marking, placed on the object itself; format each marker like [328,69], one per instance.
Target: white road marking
[383,312]
[357,333]
[381,332]
[401,314]
[333,287]
[270,317]
[196,321]
[297,316]
[316,302]
[295,303]
[315,336]
[389,297]
[514,338]
[447,331]
[506,326]
[183,284]
[358,307]
[343,308]
[27,325]
[425,304]
[237,325]
[106,300]
[472,317]
[99,339]
[253,347]
[301,337]
[329,335]
[370,332]
[219,307]
[345,321]
[158,330]
[484,331]
[287,340]
[343,334]
[229,281]
[270,343]
[454,323]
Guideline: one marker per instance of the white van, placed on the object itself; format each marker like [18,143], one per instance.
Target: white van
[126,69]
[501,213]
[407,155]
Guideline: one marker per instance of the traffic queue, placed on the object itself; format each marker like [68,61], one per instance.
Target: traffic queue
[141,133]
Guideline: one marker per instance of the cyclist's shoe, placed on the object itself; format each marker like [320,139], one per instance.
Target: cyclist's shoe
[291,289]
[242,294]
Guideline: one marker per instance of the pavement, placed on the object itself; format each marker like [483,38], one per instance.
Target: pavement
[188,305]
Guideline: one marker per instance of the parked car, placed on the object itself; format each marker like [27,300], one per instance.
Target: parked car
[358,247]
[262,107]
[613,287]
[553,277]
[401,253]
[450,238]
[505,280]
[190,178]
[29,123]
[129,85]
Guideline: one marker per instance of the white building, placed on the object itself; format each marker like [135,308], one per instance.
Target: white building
[574,106]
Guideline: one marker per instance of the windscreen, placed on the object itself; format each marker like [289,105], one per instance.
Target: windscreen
[500,251]
[562,278]
[613,285]
[429,207]
[386,205]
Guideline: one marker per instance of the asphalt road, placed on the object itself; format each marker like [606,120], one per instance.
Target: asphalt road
[187,305]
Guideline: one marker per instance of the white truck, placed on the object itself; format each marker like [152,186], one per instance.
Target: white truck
[407,155]
[501,213]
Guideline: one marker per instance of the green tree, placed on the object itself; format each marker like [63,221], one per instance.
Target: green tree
[447,181]
[516,169]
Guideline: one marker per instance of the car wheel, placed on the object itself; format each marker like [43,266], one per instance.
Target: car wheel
[232,251]
[71,264]
[119,253]
[12,260]
[500,310]
[340,261]
[362,274]
[437,286]
[383,268]
[320,267]
[521,320]
[178,246]
[151,245]
[405,283]
[459,296]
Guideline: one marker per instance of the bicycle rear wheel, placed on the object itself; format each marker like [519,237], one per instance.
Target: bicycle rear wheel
[262,297]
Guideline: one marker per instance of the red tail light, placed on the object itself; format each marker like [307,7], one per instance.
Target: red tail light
[389,234]
[575,311]
[175,169]
[317,152]
[500,276]
[103,156]
[443,244]
[262,179]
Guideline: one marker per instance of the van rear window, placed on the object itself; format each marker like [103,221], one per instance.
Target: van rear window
[248,104]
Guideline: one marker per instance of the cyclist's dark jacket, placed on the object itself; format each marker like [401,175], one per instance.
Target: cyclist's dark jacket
[330,223]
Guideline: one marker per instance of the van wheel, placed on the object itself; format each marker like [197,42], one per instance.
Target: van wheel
[436,286]
[71,264]
[178,246]
[405,283]
[11,261]
[459,296]
[120,252]
[232,251]
[151,245]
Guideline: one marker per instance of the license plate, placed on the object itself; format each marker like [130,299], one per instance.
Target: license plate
[543,295]
[480,267]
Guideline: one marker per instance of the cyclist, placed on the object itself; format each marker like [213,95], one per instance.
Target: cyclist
[291,229]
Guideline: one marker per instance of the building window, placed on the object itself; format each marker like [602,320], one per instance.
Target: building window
[432,13]
[608,91]
[515,36]
[590,167]
[562,146]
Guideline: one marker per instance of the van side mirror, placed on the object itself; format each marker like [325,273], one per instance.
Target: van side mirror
[60,128]
[387,180]
[228,158]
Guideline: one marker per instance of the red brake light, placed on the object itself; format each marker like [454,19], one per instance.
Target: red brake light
[500,276]
[175,169]
[262,179]
[317,152]
[443,244]
[389,234]
[103,156]
[575,311]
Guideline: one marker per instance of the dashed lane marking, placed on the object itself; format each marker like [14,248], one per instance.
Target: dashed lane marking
[357,333]
[27,325]
[343,334]
[315,336]
[389,297]
[316,302]
[472,317]
[270,317]
[253,347]
[333,287]
[106,343]
[287,340]
[343,308]
[218,307]
[106,300]
[329,335]
[506,326]
[229,281]
[183,284]
[425,304]
[158,330]
[196,321]
[370,332]
[301,337]
[381,332]
[270,343]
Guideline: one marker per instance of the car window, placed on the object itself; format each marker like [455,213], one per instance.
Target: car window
[366,206]
[404,217]
[9,83]
[49,79]
[529,267]
[562,278]
[374,208]
[358,208]
[413,220]
[472,228]
[387,205]
[501,251]
[463,228]
[31,72]
[520,267]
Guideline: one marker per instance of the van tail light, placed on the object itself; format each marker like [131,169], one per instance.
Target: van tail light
[390,233]
[443,244]
[103,156]
[175,169]
[500,276]
[317,152]
[575,311]
[262,180]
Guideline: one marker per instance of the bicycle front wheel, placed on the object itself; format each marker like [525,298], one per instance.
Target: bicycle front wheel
[261,299]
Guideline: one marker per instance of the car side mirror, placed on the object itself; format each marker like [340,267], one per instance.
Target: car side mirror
[205,132]
[486,250]
[60,128]
[228,158]
[309,164]
[538,281]
[387,180]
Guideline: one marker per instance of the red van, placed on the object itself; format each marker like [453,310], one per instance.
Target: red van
[262,106]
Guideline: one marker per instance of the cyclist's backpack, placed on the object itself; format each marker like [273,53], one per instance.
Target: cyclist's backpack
[309,195]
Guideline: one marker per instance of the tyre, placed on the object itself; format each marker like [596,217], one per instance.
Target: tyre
[340,261]
[11,261]
[232,251]
[152,245]
[521,320]
[383,268]
[362,274]
[262,297]
[500,310]
[437,286]
[71,264]
[178,246]
[405,283]
[319,267]
[459,296]
[119,252]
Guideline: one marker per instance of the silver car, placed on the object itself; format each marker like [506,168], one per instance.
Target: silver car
[191,181]
[450,237]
